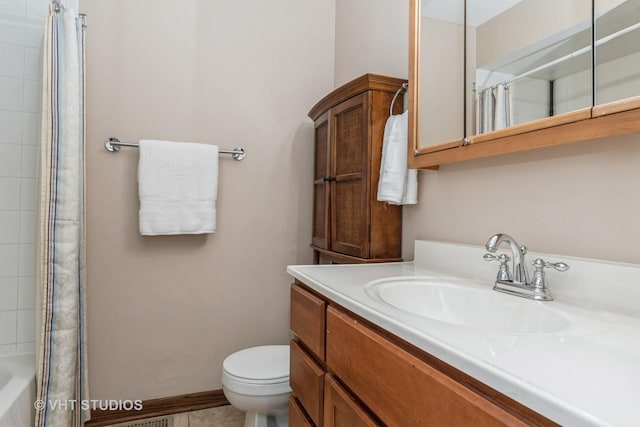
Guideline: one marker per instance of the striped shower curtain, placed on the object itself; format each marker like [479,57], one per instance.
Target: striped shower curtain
[62,363]
[494,108]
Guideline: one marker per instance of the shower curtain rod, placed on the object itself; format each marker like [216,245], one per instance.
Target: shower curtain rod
[113,145]
[567,57]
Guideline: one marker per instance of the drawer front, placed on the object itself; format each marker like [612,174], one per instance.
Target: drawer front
[402,389]
[307,382]
[308,319]
[297,417]
[340,409]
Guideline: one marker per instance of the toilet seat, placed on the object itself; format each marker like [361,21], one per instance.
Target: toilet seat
[258,371]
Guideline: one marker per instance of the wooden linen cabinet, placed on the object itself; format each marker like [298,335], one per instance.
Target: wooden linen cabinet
[349,224]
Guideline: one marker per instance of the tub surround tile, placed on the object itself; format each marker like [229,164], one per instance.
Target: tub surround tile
[27,194]
[21,35]
[9,260]
[26,329]
[8,327]
[26,293]
[12,64]
[10,194]
[9,227]
[29,161]
[12,91]
[32,96]
[31,129]
[8,293]
[7,349]
[11,131]
[13,7]
[27,260]
[34,31]
[32,67]
[39,8]
[26,347]
[10,160]
[27,227]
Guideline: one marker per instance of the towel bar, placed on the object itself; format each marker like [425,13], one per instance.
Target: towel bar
[113,145]
[402,87]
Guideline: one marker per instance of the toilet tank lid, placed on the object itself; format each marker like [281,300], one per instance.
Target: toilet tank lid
[259,363]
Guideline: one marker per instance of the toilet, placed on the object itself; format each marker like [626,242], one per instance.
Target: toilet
[256,380]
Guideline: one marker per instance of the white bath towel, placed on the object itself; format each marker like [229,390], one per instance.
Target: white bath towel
[178,187]
[396,185]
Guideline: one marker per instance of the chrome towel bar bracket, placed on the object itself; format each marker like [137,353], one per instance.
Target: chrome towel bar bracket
[113,145]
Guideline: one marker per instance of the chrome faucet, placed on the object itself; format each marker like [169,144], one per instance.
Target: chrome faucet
[520,274]
[520,285]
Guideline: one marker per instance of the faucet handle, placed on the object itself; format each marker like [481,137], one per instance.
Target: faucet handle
[503,273]
[499,258]
[541,264]
[539,282]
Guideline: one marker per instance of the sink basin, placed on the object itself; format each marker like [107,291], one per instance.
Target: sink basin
[459,302]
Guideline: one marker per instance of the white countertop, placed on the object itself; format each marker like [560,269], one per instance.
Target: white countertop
[585,375]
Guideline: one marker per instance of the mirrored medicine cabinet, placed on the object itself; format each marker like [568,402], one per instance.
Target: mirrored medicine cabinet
[488,77]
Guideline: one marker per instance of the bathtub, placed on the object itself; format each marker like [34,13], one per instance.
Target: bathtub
[17,390]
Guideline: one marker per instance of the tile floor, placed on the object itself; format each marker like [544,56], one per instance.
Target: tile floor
[222,416]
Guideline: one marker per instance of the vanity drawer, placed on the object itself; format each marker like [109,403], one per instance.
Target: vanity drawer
[297,417]
[402,389]
[340,409]
[308,319]
[307,382]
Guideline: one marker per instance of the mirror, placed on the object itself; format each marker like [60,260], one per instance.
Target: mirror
[533,73]
[532,60]
[441,64]
[617,35]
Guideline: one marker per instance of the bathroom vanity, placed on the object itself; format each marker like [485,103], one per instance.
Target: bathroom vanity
[426,343]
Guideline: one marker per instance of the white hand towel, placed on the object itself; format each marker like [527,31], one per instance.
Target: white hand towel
[396,185]
[178,187]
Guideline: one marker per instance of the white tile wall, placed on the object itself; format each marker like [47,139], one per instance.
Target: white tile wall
[11,130]
[12,64]
[9,227]
[10,193]
[9,255]
[9,293]
[8,327]
[10,159]
[21,31]
[12,93]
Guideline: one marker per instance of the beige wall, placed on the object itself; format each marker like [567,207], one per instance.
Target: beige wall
[165,311]
[371,37]
[526,23]
[441,42]
[581,199]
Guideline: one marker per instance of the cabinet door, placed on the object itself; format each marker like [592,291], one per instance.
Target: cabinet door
[348,166]
[403,390]
[297,417]
[307,319]
[341,410]
[307,382]
[321,236]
